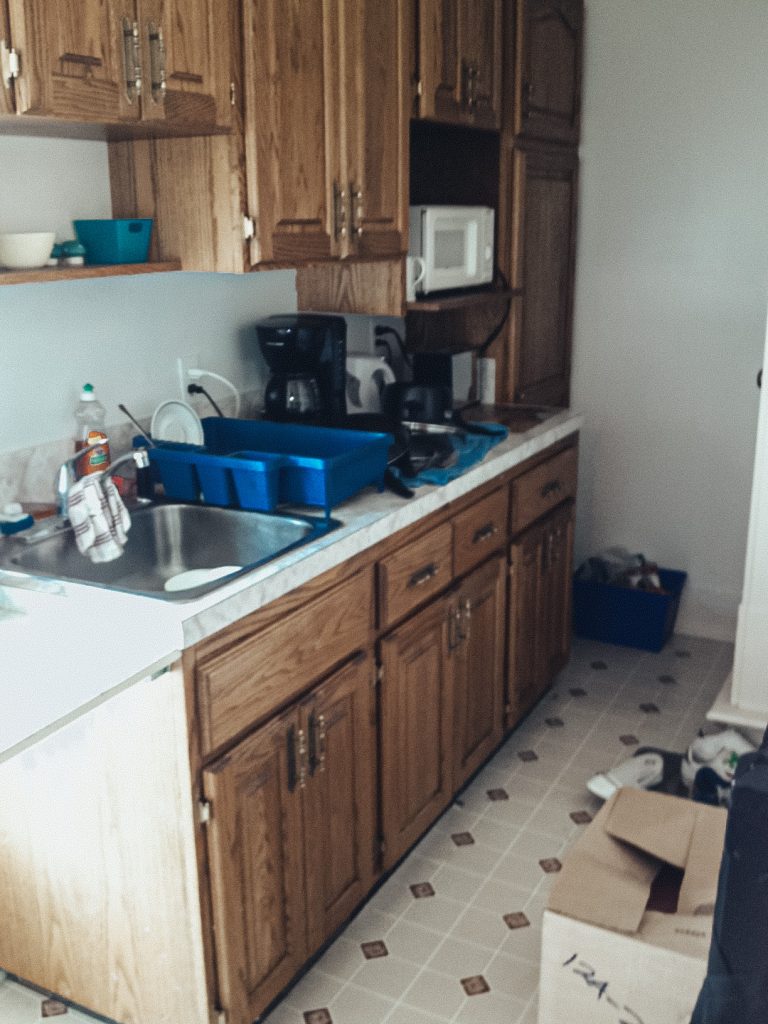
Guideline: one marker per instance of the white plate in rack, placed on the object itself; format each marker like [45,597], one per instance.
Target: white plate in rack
[176,421]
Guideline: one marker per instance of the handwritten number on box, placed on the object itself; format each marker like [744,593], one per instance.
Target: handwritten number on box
[586,971]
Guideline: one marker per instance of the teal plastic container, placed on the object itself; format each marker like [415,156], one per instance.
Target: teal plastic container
[108,242]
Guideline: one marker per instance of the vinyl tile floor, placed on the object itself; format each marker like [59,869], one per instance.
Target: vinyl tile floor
[453,934]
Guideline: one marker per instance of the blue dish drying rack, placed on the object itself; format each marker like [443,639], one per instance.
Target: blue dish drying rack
[258,465]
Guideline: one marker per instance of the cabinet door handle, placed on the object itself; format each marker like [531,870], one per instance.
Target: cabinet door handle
[158,83]
[301,746]
[467,616]
[423,576]
[131,60]
[455,635]
[321,743]
[485,533]
[290,752]
[339,211]
[355,208]
[552,487]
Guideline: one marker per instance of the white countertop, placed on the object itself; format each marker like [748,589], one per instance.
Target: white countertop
[66,647]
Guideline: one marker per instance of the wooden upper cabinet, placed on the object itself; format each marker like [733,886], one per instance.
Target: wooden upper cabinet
[186,63]
[290,133]
[543,51]
[77,60]
[459,61]
[374,118]
[120,62]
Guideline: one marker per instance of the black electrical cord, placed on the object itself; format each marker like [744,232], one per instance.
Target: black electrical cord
[498,328]
[381,330]
[198,389]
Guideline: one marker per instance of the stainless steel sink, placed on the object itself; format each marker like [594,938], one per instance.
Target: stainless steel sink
[164,541]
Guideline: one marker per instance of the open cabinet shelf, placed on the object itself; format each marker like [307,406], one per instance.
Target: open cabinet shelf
[446,303]
[74,273]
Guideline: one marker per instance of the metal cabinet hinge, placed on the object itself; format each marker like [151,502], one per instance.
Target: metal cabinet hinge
[419,87]
[249,228]
[221,1017]
[378,675]
[204,811]
[232,94]
[10,63]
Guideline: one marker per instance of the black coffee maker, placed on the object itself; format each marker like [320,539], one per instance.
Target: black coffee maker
[307,355]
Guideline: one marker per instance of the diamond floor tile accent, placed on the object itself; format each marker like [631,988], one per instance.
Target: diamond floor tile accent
[465,908]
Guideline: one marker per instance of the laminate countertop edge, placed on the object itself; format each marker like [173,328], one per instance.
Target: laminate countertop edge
[68,646]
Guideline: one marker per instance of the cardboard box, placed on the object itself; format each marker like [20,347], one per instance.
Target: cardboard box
[628,923]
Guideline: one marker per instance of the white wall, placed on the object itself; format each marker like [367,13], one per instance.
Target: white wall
[122,334]
[672,268]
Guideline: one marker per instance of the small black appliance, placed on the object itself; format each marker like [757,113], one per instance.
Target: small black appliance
[306,354]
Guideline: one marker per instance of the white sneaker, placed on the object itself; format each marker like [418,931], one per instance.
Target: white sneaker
[639,772]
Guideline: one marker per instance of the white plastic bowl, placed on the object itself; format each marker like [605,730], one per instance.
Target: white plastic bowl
[26,250]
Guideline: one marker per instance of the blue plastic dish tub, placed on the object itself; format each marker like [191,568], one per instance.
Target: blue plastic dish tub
[190,473]
[625,615]
[322,465]
[114,241]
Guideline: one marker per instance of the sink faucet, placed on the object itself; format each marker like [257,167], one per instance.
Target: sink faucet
[65,474]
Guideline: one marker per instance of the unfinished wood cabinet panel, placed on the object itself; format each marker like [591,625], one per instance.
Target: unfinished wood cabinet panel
[414,573]
[246,682]
[376,288]
[459,61]
[98,874]
[478,668]
[537,248]
[339,797]
[415,728]
[479,530]
[538,491]
[543,57]
[255,854]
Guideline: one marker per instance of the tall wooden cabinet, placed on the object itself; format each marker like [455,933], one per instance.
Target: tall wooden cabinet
[163,63]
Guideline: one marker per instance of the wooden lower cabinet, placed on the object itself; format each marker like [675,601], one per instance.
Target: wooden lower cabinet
[538,608]
[478,669]
[290,838]
[415,714]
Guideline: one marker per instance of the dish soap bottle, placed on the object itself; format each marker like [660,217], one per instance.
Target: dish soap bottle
[90,415]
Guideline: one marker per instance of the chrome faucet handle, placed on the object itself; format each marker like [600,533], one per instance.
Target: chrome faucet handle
[65,474]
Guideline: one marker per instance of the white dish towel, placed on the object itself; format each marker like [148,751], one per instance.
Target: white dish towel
[99,517]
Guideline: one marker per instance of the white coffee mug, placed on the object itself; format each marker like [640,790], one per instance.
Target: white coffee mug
[414,275]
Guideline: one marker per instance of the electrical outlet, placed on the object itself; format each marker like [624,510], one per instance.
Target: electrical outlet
[486,381]
[183,365]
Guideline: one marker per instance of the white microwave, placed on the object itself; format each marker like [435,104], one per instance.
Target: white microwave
[452,246]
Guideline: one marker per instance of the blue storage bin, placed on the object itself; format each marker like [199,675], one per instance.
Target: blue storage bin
[322,465]
[625,615]
[114,241]
[190,473]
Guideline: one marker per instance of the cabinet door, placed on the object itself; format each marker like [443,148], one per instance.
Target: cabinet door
[524,608]
[460,61]
[415,728]
[374,117]
[255,855]
[78,59]
[558,589]
[340,797]
[546,103]
[186,61]
[543,187]
[7,105]
[290,88]
[478,680]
